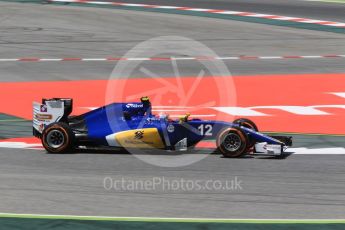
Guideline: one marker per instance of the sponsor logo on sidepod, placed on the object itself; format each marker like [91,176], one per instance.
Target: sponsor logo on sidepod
[134,105]
[139,134]
[170,128]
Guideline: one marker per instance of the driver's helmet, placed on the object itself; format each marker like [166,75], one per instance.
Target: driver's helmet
[145,100]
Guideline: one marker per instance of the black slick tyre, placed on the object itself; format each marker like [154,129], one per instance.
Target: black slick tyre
[58,138]
[232,142]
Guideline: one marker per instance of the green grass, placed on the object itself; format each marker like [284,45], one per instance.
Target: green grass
[180,220]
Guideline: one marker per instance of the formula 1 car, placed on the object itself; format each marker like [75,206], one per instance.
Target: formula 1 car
[132,125]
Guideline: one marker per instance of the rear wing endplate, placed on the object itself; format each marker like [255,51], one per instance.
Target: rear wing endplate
[47,113]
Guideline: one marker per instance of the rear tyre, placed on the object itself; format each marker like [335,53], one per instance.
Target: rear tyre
[58,138]
[232,142]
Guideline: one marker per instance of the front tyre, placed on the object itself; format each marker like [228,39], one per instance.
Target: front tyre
[58,138]
[246,123]
[250,125]
[232,142]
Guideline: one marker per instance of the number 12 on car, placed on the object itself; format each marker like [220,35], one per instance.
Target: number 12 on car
[205,129]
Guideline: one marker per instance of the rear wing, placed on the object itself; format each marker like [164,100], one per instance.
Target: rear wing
[50,111]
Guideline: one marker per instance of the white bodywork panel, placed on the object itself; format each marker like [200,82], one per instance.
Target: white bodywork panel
[181,145]
[269,149]
[112,140]
[45,114]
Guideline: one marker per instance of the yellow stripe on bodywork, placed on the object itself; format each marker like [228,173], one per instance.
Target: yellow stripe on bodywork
[150,138]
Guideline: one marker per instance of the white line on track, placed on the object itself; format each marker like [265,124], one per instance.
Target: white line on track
[171,219]
[317,151]
[111,59]
[294,151]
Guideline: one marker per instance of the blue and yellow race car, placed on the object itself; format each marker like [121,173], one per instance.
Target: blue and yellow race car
[133,125]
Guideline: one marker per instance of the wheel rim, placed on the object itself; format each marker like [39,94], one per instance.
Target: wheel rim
[55,139]
[232,142]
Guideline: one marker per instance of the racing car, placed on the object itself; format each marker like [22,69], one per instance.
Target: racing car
[133,125]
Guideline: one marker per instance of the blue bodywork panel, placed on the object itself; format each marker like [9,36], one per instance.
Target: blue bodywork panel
[119,117]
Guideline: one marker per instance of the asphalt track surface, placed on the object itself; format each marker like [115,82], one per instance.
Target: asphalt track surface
[95,32]
[300,186]
[294,8]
